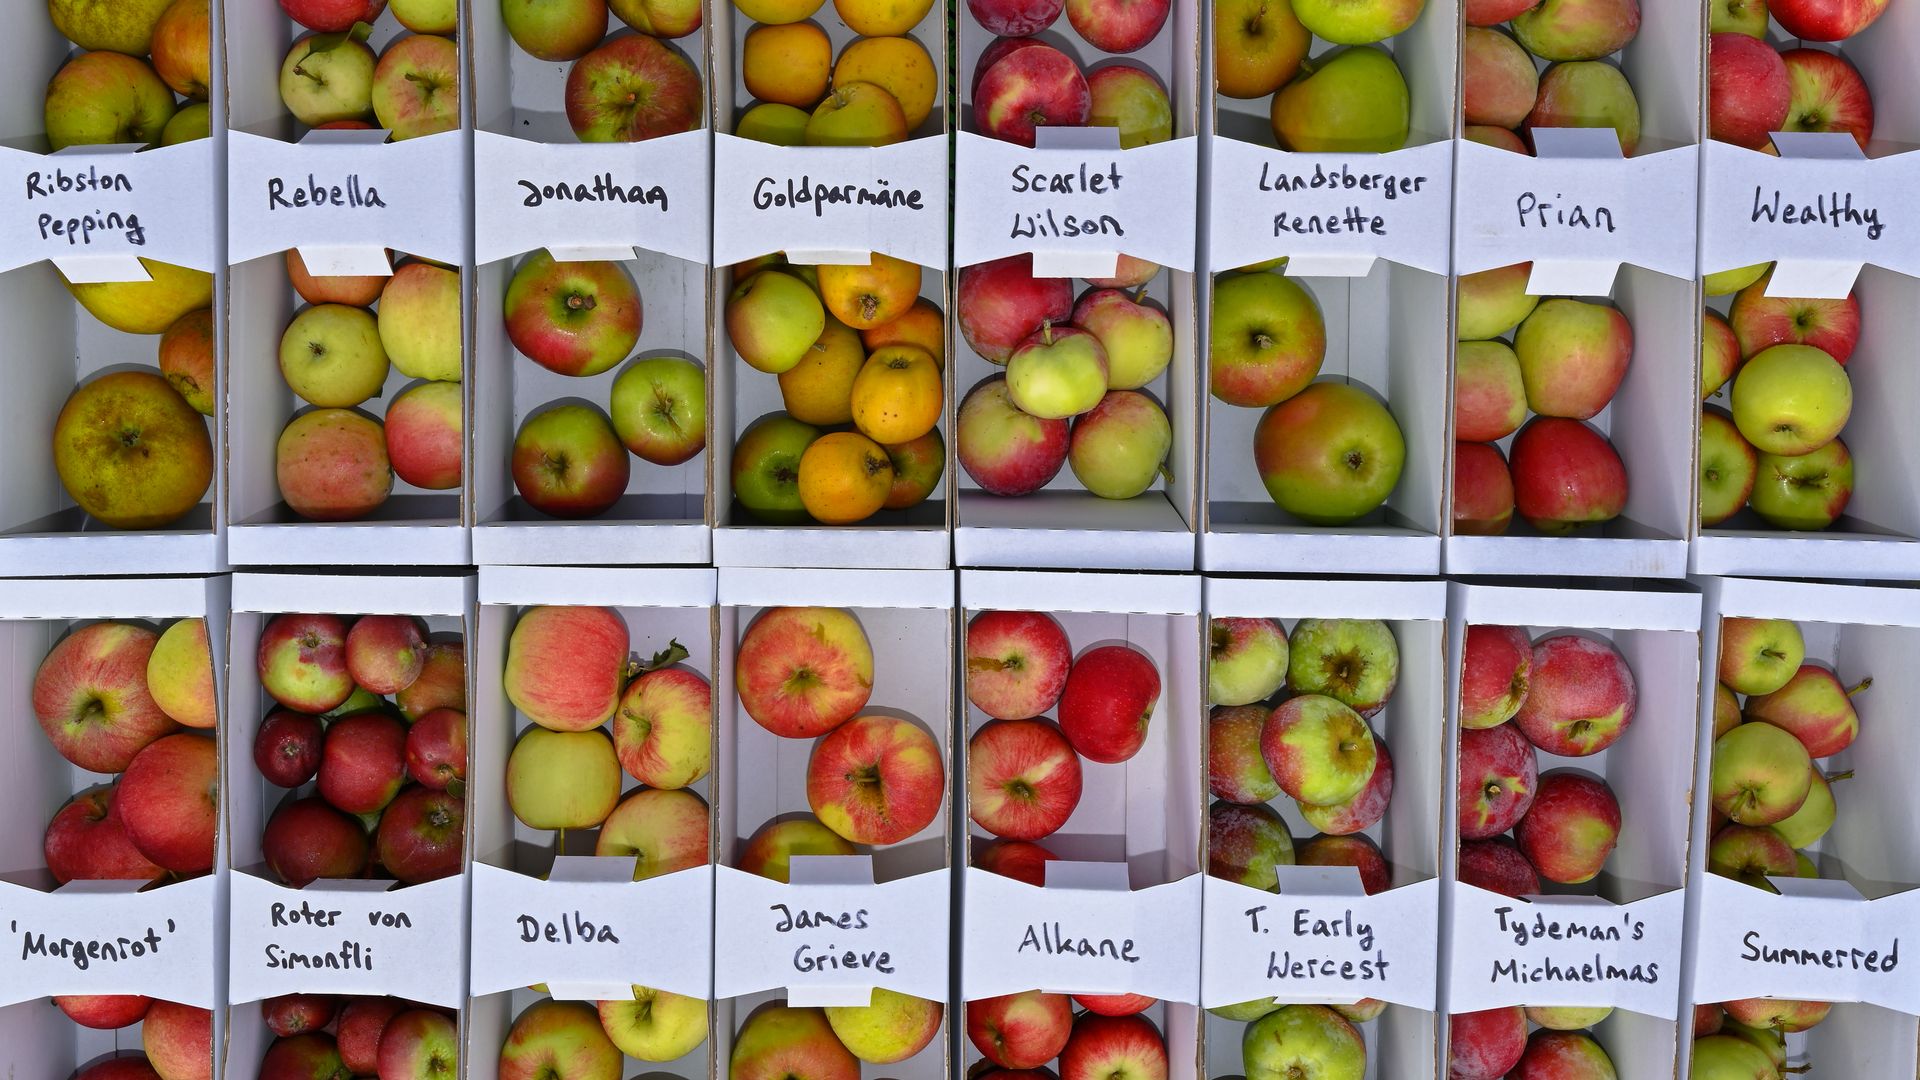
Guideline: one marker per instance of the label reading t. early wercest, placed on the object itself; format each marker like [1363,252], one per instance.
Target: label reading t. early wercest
[1305,946]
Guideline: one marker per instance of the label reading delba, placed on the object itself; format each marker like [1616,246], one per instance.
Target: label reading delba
[592,197]
[101,202]
[345,189]
[345,937]
[1320,939]
[1330,210]
[1566,950]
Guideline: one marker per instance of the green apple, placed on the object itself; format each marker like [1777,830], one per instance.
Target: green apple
[1728,467]
[568,462]
[1120,446]
[1352,103]
[1759,656]
[1729,1057]
[1761,774]
[891,1027]
[1804,491]
[106,98]
[562,779]
[1728,282]
[1493,302]
[766,469]
[772,122]
[1805,826]
[1137,335]
[130,451]
[659,409]
[1246,660]
[1057,372]
[556,30]
[1747,17]
[773,318]
[1131,99]
[1303,1042]
[121,26]
[1330,454]
[1353,661]
[331,355]
[1588,94]
[655,1025]
[1568,1017]
[420,321]
[1356,22]
[327,77]
[1791,399]
[1319,750]
[193,122]
[1266,342]
[1245,1011]
[427,16]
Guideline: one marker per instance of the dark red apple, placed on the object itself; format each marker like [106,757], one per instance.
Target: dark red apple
[169,802]
[286,749]
[86,841]
[1021,860]
[312,1055]
[1356,851]
[307,839]
[1028,89]
[1482,490]
[1498,778]
[363,762]
[357,1034]
[1497,865]
[437,750]
[1014,17]
[1565,474]
[421,834]
[291,1014]
[1001,304]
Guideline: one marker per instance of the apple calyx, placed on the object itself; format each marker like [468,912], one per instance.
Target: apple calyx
[555,464]
[1220,638]
[580,302]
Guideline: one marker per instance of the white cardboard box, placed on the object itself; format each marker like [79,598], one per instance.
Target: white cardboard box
[523,148]
[363,936]
[163,942]
[1383,946]
[1617,940]
[1865,897]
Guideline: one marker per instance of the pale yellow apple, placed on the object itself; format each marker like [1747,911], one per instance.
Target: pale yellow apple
[146,307]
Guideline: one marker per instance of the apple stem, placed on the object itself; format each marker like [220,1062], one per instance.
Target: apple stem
[1861,685]
[1166,472]
[559,841]
[1834,778]
[985,664]
[1140,294]
[1797,1069]
[1046,332]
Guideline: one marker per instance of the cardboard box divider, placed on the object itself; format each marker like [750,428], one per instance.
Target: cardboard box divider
[1625,926]
[187,963]
[663,925]
[1129,856]
[907,616]
[664,241]
[1399,268]
[1401,925]
[1870,877]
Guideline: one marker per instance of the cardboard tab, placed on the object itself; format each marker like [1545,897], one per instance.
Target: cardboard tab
[1567,950]
[95,211]
[347,937]
[1081,935]
[345,190]
[1331,215]
[109,937]
[1076,201]
[589,931]
[1815,940]
[592,197]
[1577,211]
[1320,939]
[1819,212]
[831,935]
[830,203]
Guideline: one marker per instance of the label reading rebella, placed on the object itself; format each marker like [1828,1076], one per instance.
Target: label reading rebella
[345,189]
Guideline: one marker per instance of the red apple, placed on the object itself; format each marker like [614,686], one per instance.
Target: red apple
[1012,17]
[1115,1004]
[421,834]
[1002,304]
[286,749]
[1814,707]
[801,672]
[1117,26]
[1485,1045]
[437,750]
[303,662]
[1023,778]
[307,839]
[1580,696]
[442,683]
[876,780]
[574,318]
[1320,751]
[565,665]
[328,16]
[425,435]
[1108,703]
[1017,859]
[1356,851]
[363,762]
[178,1040]
[1001,46]
[358,1033]
[1760,321]
[1245,843]
[1113,1048]
[1776,1014]
[169,802]
[1482,490]
[1028,89]
[1495,665]
[1748,90]
[1566,475]
[1020,1031]
[1006,451]
[1365,808]
[420,1044]
[1571,827]
[1017,663]
[630,89]
[291,1014]
[386,652]
[332,465]
[1494,12]
[1235,770]
[90,696]
[103,1012]
[124,1067]
[1498,778]
[87,841]
[1828,95]
[1497,865]
[1825,20]
[1707,1020]
[568,462]
[312,1055]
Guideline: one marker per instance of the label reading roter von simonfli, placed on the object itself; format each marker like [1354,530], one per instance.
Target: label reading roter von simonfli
[1317,941]
[346,937]
[1330,209]
[1566,950]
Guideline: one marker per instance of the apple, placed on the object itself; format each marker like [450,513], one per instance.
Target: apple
[1747,17]
[562,779]
[386,652]
[1131,99]
[867,295]
[773,318]
[307,839]
[876,780]
[186,359]
[106,97]
[131,452]
[1020,1031]
[333,15]
[1577,29]
[90,696]
[1114,1004]
[659,407]
[1760,321]
[803,671]
[918,465]
[1016,859]
[1761,774]
[1236,772]
[1023,778]
[291,1014]
[845,478]
[565,665]
[659,18]
[663,726]
[1828,95]
[1136,335]
[1563,1055]
[331,355]
[437,751]
[1805,491]
[1566,475]
[124,26]
[897,395]
[1497,78]
[1319,750]
[1588,93]
[1113,1047]
[1569,1017]
[779,1042]
[442,683]
[1497,865]
[1354,661]
[1012,19]
[1485,1045]
[1108,702]
[1720,352]
[323,80]
[1804,827]
[1726,709]
[1303,1040]
[1030,88]
[1267,340]
[1246,661]
[766,467]
[1356,101]
[1001,304]
[178,1040]
[1482,490]
[1492,302]
[416,87]
[1731,1057]
[770,851]
[1497,137]
[179,674]
[630,89]
[1257,47]
[655,1025]
[1778,1014]
[420,1044]
[1826,20]
[1498,780]
[1365,808]
[567,462]
[103,1012]
[891,1027]
[145,307]
[1354,850]
[1119,447]
[1748,90]
[87,841]
[286,749]
[331,465]
[420,836]
[574,318]
[1791,399]
[856,114]
[1729,467]
[1489,393]
[1571,827]
[555,1039]
[1245,843]
[311,1055]
[1005,450]
[1057,372]
[1357,22]
[1016,663]
[556,30]
[425,435]
[1572,357]
[363,762]
[1330,454]
[1580,696]
[427,16]
[1759,656]
[420,321]
[1496,669]
[1813,707]
[773,123]
[1707,1020]
[169,802]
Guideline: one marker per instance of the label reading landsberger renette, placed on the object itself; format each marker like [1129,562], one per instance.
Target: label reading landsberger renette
[1268,203]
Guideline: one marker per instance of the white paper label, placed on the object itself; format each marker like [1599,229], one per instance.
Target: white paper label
[97,210]
[590,932]
[1577,211]
[830,203]
[1320,939]
[592,197]
[1819,211]
[832,940]
[348,191]
[347,937]
[1819,941]
[1084,941]
[106,937]
[1330,214]
[1566,950]
[1076,201]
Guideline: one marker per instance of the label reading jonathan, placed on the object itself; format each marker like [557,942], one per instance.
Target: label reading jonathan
[830,203]
[1566,950]
[101,937]
[345,189]
[1316,941]
[345,937]
[1107,939]
[94,202]
[1330,212]
[592,197]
